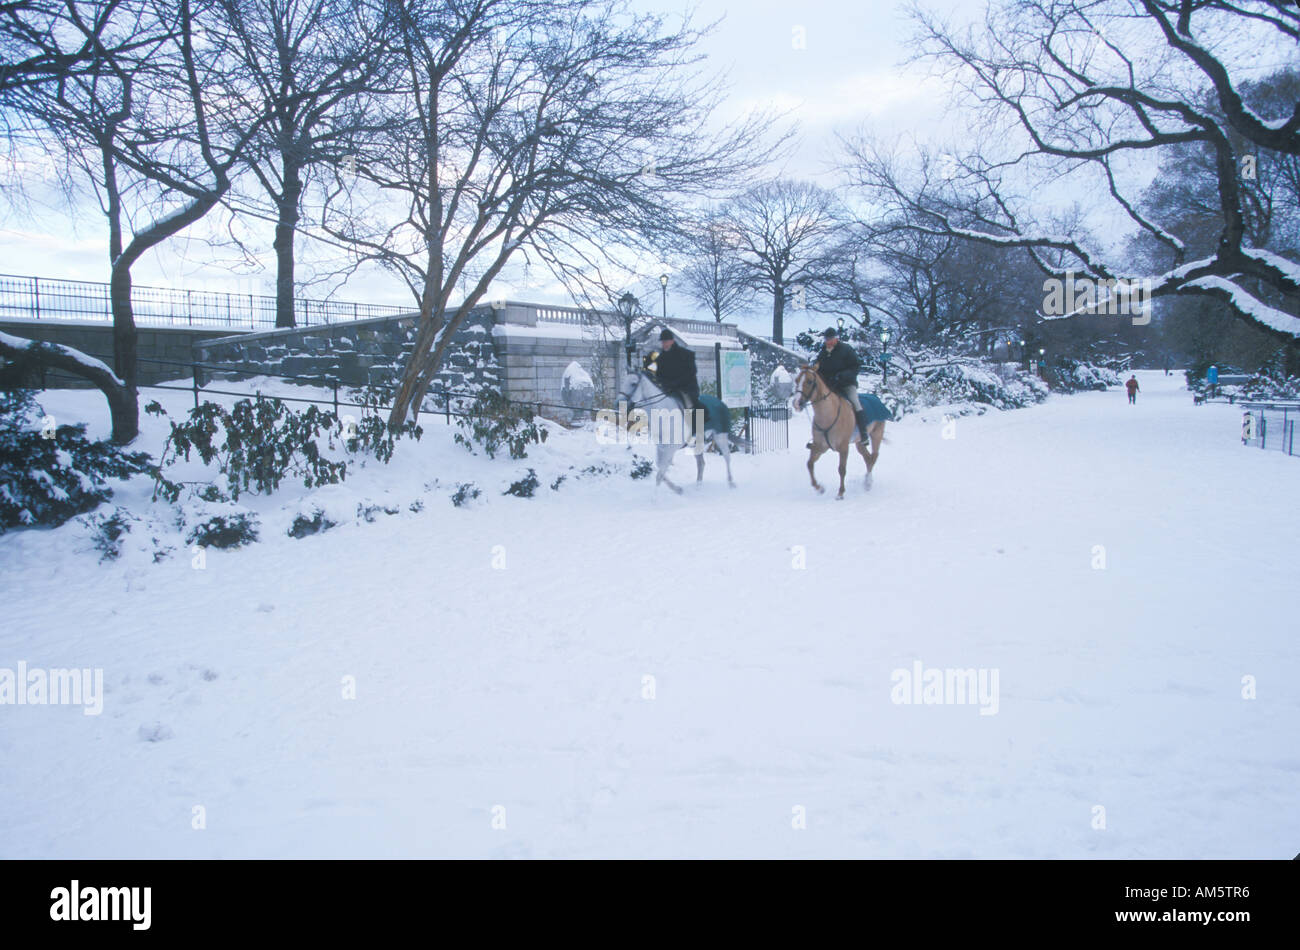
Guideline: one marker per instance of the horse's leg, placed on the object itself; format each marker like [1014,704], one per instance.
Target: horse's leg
[699,459]
[844,465]
[813,456]
[723,445]
[877,433]
[665,461]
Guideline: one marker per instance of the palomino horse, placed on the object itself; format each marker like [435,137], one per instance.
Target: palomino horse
[668,425]
[834,424]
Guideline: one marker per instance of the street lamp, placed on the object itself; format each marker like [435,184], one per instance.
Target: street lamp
[1042,351]
[627,307]
[884,339]
[663,283]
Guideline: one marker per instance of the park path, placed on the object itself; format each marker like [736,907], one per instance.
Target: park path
[614,671]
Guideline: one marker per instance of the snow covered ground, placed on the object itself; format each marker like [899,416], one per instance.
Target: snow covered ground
[611,670]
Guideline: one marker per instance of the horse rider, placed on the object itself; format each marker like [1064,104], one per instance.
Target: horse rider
[675,371]
[838,365]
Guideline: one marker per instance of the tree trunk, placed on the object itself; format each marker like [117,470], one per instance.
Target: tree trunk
[778,315]
[121,399]
[286,228]
[123,405]
[411,390]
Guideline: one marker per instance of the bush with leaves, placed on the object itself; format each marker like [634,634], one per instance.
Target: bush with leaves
[465,493]
[492,421]
[108,532]
[255,444]
[51,473]
[224,531]
[524,487]
[371,433]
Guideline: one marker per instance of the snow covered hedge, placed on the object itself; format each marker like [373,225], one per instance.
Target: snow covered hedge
[48,472]
[1075,376]
[960,381]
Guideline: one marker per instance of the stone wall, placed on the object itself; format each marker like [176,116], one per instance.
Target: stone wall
[96,339]
[357,353]
[533,365]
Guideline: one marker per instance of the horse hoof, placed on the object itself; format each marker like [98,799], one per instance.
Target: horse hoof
[731,484]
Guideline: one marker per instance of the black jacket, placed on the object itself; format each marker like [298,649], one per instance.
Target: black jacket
[839,367]
[677,373]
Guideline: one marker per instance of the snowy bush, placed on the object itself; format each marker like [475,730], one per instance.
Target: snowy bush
[50,473]
[108,531]
[642,468]
[491,422]
[224,531]
[957,381]
[371,433]
[367,513]
[255,444]
[525,487]
[1077,376]
[373,436]
[465,492]
[303,526]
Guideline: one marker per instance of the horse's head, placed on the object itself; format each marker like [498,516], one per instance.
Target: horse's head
[806,385]
[631,384]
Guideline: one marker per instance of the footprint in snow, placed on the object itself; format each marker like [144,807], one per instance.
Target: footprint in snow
[155,732]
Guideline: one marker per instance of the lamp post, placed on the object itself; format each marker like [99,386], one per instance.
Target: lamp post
[663,283]
[627,307]
[884,339]
[1042,351]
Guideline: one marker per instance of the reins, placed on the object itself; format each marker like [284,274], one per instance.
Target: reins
[826,432]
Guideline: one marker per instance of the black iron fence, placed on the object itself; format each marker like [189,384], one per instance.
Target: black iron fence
[769,428]
[44,298]
[1271,425]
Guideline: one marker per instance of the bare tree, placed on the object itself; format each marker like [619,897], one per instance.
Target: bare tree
[47,43]
[572,128]
[785,230]
[1087,86]
[155,131]
[314,69]
[714,275]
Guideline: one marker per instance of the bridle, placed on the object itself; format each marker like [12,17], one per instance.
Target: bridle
[812,376]
[639,375]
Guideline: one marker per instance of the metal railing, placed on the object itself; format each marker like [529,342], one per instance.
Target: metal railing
[767,427]
[45,298]
[1271,425]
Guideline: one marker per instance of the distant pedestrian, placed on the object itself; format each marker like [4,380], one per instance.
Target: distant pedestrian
[1132,387]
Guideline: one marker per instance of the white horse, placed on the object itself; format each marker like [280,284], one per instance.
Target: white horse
[668,426]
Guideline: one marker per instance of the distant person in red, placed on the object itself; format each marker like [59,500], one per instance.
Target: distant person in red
[1132,387]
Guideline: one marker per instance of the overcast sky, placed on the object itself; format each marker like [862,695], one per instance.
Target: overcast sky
[833,65]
